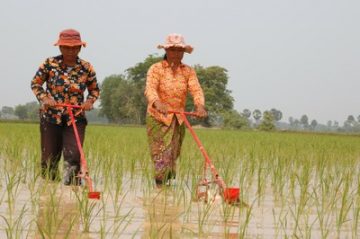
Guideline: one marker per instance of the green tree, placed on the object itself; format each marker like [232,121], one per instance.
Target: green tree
[21,112]
[138,72]
[351,118]
[350,124]
[32,110]
[122,97]
[304,120]
[257,115]
[118,101]
[329,124]
[218,100]
[95,117]
[246,113]
[277,114]
[7,110]
[213,81]
[109,104]
[137,76]
[267,123]
[29,111]
[313,124]
[232,119]
[291,121]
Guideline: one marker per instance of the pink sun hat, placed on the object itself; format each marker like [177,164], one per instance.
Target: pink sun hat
[69,37]
[176,40]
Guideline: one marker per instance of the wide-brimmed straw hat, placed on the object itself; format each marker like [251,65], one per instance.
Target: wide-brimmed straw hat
[69,37]
[176,40]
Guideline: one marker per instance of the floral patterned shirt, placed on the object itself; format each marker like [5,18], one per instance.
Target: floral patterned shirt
[65,85]
[171,87]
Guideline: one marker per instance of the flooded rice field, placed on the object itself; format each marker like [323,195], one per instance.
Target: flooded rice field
[56,211]
[291,186]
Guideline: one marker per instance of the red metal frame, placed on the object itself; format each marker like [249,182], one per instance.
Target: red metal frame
[229,194]
[84,173]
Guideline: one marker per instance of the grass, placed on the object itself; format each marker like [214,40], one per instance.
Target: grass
[301,185]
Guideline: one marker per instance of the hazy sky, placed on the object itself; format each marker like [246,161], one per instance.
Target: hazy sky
[299,56]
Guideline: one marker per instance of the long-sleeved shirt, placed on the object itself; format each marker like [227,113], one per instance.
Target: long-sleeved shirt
[65,85]
[171,87]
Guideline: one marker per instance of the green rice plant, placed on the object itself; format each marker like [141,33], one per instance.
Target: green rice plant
[277,217]
[300,202]
[162,213]
[243,225]
[119,221]
[279,175]
[55,217]
[324,207]
[15,225]
[88,209]
[34,189]
[203,212]
[356,217]
[12,189]
[284,226]
[293,170]
[345,204]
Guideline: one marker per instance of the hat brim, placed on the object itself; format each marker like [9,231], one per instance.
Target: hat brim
[70,43]
[187,48]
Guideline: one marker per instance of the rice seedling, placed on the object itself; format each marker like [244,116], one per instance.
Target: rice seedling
[15,225]
[307,184]
[88,209]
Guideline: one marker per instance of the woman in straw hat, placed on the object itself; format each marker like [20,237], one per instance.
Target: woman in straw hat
[167,85]
[67,77]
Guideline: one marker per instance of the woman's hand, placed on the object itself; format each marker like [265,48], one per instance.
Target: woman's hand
[87,105]
[201,112]
[48,101]
[162,108]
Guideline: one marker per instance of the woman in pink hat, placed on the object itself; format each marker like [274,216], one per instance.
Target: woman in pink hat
[67,77]
[167,85]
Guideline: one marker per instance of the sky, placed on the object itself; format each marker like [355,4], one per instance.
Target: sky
[298,56]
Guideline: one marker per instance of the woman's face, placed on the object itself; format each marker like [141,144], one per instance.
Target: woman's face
[175,54]
[70,52]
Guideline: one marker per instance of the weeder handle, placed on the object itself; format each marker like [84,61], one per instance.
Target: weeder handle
[83,168]
[200,145]
[69,106]
[84,174]
[230,195]
[184,112]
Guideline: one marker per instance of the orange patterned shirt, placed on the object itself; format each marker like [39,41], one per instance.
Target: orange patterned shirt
[171,89]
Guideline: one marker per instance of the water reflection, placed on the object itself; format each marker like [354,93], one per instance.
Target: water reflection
[58,215]
[162,215]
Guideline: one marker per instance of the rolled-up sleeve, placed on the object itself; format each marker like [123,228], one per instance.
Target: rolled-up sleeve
[152,82]
[195,89]
[37,82]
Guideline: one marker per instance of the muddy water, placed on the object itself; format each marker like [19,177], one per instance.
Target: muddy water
[57,213]
[50,210]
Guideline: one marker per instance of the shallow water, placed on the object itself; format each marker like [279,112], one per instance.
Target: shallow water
[50,210]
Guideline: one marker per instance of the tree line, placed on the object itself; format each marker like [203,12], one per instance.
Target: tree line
[122,101]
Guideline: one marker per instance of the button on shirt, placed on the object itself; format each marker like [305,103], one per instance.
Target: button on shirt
[171,87]
[65,85]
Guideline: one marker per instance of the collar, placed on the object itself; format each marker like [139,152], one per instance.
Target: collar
[165,63]
[61,63]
